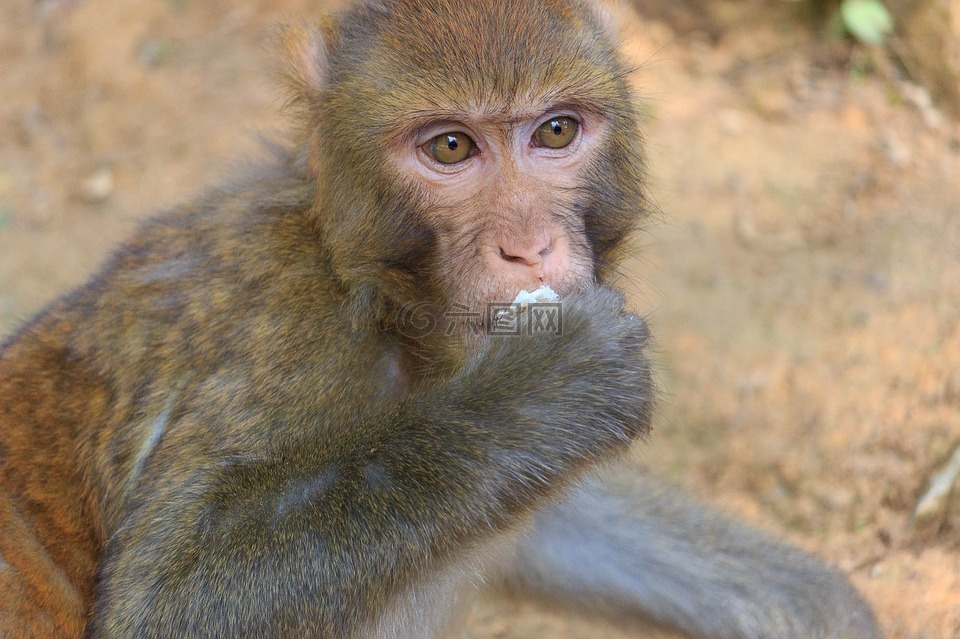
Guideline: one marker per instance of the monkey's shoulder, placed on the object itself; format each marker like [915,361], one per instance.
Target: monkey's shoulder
[238,272]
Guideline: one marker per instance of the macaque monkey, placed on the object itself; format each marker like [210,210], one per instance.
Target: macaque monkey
[244,425]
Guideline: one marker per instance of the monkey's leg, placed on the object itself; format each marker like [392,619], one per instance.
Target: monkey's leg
[632,549]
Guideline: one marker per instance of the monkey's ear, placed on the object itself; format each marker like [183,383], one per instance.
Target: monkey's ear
[303,48]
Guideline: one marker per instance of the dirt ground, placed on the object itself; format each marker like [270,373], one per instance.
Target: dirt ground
[803,277]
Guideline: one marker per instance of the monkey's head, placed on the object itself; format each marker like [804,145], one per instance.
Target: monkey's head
[468,149]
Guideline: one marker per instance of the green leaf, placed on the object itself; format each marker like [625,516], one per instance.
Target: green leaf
[867,20]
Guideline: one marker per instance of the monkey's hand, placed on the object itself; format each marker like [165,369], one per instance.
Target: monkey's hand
[576,392]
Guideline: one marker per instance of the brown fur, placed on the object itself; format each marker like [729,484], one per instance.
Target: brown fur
[233,431]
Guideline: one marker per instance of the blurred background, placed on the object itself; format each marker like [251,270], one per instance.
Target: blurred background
[801,272]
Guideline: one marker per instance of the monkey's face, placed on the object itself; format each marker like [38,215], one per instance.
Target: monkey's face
[489,149]
[503,194]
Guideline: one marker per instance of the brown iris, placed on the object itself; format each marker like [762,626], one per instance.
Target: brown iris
[450,148]
[557,133]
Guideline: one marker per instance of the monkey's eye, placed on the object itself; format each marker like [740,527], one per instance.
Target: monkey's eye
[449,148]
[557,133]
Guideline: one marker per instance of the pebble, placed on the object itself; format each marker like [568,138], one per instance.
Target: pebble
[99,186]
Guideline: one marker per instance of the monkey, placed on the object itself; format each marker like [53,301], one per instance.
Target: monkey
[286,409]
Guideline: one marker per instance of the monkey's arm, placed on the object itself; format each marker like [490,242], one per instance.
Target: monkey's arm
[322,537]
[633,549]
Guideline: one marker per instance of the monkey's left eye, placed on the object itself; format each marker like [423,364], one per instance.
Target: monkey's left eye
[557,133]
[450,148]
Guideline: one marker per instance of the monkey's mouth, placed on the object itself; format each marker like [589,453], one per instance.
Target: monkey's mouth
[538,310]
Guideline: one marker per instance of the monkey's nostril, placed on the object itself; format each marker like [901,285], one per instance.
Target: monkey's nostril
[510,258]
[529,255]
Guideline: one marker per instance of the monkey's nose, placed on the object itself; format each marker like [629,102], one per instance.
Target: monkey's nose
[532,263]
[529,255]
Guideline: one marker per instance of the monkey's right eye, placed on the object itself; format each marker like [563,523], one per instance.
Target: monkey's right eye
[450,148]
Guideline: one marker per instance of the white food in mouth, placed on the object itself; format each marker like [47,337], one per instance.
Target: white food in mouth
[542,294]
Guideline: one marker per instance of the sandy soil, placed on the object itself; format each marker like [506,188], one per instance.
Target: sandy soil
[803,278]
